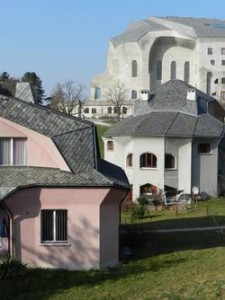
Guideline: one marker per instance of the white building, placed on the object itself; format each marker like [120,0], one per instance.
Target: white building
[176,142]
[152,51]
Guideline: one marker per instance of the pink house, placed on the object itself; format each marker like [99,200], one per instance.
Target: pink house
[59,202]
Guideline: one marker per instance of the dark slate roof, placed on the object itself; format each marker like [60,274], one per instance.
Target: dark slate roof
[76,141]
[195,27]
[172,95]
[169,124]
[13,178]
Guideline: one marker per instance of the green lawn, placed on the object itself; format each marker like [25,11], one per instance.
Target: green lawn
[163,266]
[189,274]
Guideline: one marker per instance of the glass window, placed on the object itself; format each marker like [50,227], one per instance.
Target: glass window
[187,71]
[223,51]
[212,62]
[94,110]
[159,70]
[222,95]
[210,51]
[204,148]
[124,110]
[148,160]
[53,225]
[223,62]
[98,92]
[133,94]
[109,110]
[129,160]
[223,80]
[86,110]
[13,151]
[173,70]
[134,68]
[110,145]
[169,161]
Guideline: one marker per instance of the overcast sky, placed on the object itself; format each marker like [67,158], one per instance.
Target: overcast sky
[68,39]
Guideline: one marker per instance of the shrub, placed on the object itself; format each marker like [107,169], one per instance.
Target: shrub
[10,267]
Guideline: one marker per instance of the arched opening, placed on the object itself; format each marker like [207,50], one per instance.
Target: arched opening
[169,161]
[129,160]
[148,160]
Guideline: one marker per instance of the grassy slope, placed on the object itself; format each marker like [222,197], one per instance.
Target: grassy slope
[198,274]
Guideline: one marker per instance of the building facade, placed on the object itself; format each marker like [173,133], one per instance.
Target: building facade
[153,51]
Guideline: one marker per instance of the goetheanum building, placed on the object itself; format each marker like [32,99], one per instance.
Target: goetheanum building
[153,51]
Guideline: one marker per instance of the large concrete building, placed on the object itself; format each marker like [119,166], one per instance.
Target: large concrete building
[153,51]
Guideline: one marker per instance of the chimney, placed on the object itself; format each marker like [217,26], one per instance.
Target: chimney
[191,95]
[145,95]
[24,92]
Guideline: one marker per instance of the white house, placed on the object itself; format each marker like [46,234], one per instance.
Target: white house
[155,50]
[174,143]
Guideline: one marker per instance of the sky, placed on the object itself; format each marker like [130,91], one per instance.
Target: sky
[68,39]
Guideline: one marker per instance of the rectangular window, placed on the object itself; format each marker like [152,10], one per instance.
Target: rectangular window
[210,51]
[223,51]
[133,94]
[53,225]
[223,62]
[13,151]
[222,95]
[97,92]
[159,70]
[93,110]
[223,80]
[86,110]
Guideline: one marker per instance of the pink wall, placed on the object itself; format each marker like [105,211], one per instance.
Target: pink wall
[89,227]
[41,151]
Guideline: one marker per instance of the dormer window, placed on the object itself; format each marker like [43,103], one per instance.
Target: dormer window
[13,152]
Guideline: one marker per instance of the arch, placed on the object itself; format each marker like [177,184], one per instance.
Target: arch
[173,70]
[187,71]
[148,160]
[129,160]
[110,145]
[169,161]
[134,68]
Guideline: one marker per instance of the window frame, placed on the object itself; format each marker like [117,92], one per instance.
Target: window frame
[12,152]
[133,94]
[129,160]
[222,50]
[209,50]
[55,227]
[204,148]
[110,146]
[148,161]
[134,68]
[173,167]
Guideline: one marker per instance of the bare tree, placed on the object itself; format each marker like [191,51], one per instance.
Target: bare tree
[116,95]
[67,96]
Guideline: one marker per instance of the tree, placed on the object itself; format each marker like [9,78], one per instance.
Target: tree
[8,84]
[117,96]
[67,96]
[36,86]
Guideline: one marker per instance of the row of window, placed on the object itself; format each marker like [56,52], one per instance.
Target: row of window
[173,70]
[213,62]
[110,110]
[149,160]
[210,51]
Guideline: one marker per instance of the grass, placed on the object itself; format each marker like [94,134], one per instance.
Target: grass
[202,214]
[196,275]
[100,130]
[163,266]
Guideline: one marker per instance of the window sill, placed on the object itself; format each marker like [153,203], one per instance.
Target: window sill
[55,244]
[170,169]
[148,168]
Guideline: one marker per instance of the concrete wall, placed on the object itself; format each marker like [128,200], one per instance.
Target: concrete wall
[205,168]
[92,235]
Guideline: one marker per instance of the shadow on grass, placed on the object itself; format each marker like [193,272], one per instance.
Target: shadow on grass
[144,241]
